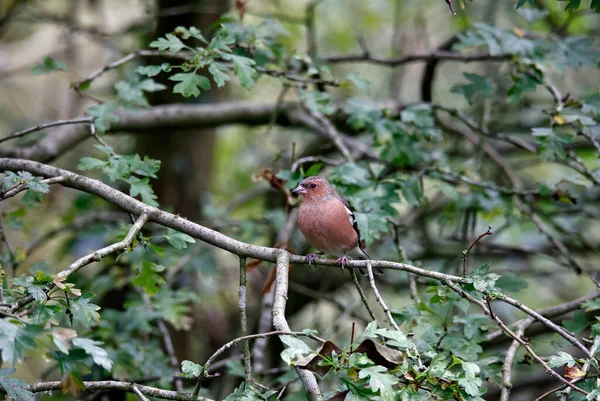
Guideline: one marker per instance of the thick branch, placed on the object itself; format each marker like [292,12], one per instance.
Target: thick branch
[280,323]
[441,55]
[198,231]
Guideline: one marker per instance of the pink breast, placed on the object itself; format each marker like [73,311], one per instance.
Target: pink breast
[326,226]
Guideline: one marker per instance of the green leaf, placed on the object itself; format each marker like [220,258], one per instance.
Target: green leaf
[190,369]
[477,85]
[396,339]
[380,381]
[572,5]
[133,92]
[153,70]
[521,3]
[170,42]
[15,339]
[511,282]
[105,115]
[192,32]
[296,349]
[578,324]
[242,68]
[190,84]
[371,225]
[314,169]
[47,66]
[147,167]
[24,177]
[178,240]
[245,392]
[90,163]
[362,84]
[84,311]
[595,6]
[577,51]
[561,359]
[319,102]
[218,71]
[143,188]
[99,355]
[16,389]
[148,278]
[594,394]
[482,280]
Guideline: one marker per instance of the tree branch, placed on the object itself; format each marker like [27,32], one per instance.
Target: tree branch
[280,322]
[122,386]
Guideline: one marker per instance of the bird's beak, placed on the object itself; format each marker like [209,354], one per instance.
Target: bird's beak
[299,190]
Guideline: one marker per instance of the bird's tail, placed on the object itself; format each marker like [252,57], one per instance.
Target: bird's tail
[362,270]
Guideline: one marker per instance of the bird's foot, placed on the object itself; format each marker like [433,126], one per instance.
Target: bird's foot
[343,260]
[312,258]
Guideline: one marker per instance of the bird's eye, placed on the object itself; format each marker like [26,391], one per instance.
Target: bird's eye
[313,185]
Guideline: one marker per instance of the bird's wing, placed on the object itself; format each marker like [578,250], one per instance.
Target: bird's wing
[353,222]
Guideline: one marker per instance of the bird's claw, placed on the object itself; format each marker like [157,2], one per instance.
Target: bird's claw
[311,258]
[343,260]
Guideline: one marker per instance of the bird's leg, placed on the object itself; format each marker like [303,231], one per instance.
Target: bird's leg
[343,260]
[312,258]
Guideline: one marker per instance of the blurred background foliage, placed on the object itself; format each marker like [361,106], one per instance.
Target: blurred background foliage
[423,192]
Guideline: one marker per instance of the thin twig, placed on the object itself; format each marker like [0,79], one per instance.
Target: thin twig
[238,340]
[22,187]
[329,129]
[95,256]
[380,300]
[312,159]
[137,392]
[18,134]
[363,297]
[466,253]
[511,334]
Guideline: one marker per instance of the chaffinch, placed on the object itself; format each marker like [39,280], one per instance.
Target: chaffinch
[327,221]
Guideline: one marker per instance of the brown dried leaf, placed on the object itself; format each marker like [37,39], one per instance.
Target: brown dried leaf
[339,396]
[380,354]
[573,372]
[70,383]
[311,361]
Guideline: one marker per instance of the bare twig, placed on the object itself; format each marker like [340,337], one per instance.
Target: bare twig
[95,256]
[363,297]
[225,347]
[140,395]
[380,300]
[466,253]
[592,139]
[508,362]
[511,334]
[18,134]
[118,385]
[244,320]
[312,159]
[442,55]
[550,312]
[329,129]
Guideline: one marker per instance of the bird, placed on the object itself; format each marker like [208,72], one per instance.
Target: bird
[327,221]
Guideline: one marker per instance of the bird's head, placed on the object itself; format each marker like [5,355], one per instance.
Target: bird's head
[313,188]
